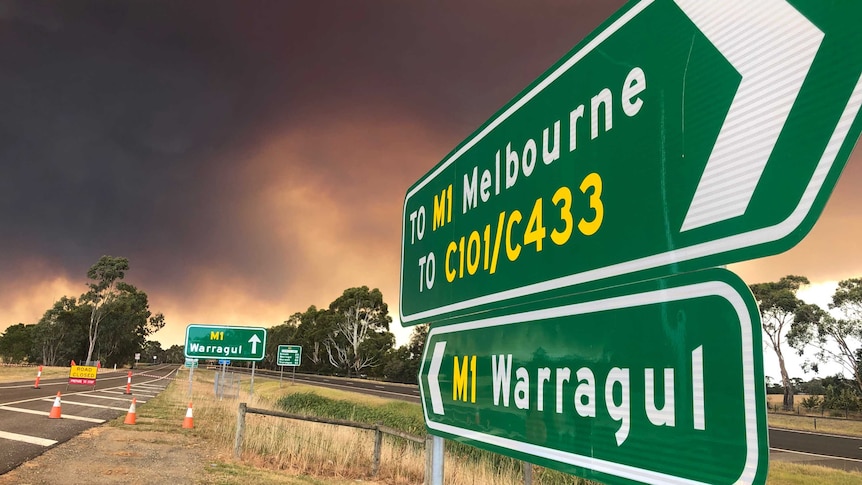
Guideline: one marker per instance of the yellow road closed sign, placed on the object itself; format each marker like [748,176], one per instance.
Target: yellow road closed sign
[83,374]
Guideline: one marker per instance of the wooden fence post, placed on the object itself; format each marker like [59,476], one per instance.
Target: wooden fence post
[378,444]
[240,430]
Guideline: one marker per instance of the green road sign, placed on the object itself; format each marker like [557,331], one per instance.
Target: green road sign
[679,135]
[289,355]
[191,363]
[223,342]
[657,382]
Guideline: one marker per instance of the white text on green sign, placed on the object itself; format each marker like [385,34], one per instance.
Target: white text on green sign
[225,342]
[636,385]
[648,150]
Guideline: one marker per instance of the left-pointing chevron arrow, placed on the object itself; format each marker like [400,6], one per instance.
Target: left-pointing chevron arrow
[434,378]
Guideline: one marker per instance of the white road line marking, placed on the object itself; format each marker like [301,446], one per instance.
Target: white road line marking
[26,439]
[127,399]
[45,413]
[86,404]
[130,395]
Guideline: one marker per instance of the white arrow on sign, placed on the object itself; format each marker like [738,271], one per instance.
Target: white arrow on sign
[433,375]
[772,46]
[254,341]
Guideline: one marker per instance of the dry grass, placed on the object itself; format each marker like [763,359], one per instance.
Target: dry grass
[816,424]
[277,450]
[321,450]
[28,373]
[781,473]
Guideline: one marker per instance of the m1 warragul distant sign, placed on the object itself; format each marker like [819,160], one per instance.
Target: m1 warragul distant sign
[225,342]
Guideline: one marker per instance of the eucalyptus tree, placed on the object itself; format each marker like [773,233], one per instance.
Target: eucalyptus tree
[106,273]
[779,308]
[838,335]
[360,324]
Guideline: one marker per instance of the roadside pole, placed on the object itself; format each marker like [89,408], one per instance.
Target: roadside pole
[436,460]
[191,374]
[281,377]
[251,387]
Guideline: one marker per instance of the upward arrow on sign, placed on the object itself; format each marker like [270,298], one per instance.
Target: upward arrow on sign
[680,135]
[254,340]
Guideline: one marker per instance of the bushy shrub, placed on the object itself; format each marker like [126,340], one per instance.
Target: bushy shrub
[812,402]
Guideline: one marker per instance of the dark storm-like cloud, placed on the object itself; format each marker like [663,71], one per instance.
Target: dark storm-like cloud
[130,127]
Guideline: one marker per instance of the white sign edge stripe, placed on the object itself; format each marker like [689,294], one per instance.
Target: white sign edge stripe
[713,288]
[730,243]
[576,57]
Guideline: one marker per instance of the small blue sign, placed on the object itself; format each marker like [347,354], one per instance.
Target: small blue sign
[223,362]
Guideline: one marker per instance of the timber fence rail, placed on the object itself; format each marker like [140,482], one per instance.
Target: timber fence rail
[379,431]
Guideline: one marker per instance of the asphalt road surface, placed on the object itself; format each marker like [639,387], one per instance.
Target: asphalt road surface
[25,429]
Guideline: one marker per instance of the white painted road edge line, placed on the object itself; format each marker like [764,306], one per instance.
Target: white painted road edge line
[816,433]
[33,440]
[828,457]
[45,413]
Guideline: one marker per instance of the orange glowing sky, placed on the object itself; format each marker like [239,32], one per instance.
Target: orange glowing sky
[251,162]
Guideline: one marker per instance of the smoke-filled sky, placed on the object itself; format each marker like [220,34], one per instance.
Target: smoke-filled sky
[251,158]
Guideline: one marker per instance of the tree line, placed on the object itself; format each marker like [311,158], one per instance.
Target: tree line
[824,335]
[111,323]
[108,323]
[350,338]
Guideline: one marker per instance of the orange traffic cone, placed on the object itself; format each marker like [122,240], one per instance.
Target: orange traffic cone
[55,410]
[189,422]
[132,415]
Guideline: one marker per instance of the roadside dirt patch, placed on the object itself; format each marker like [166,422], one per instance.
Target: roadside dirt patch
[106,455]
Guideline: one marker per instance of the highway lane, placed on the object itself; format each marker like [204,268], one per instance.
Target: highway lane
[834,451]
[25,429]
[390,390]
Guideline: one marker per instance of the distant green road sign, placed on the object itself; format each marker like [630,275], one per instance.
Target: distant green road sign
[289,355]
[191,363]
[680,135]
[224,342]
[656,382]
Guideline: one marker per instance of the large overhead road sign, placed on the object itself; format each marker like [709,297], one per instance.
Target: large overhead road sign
[225,342]
[680,135]
[654,382]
